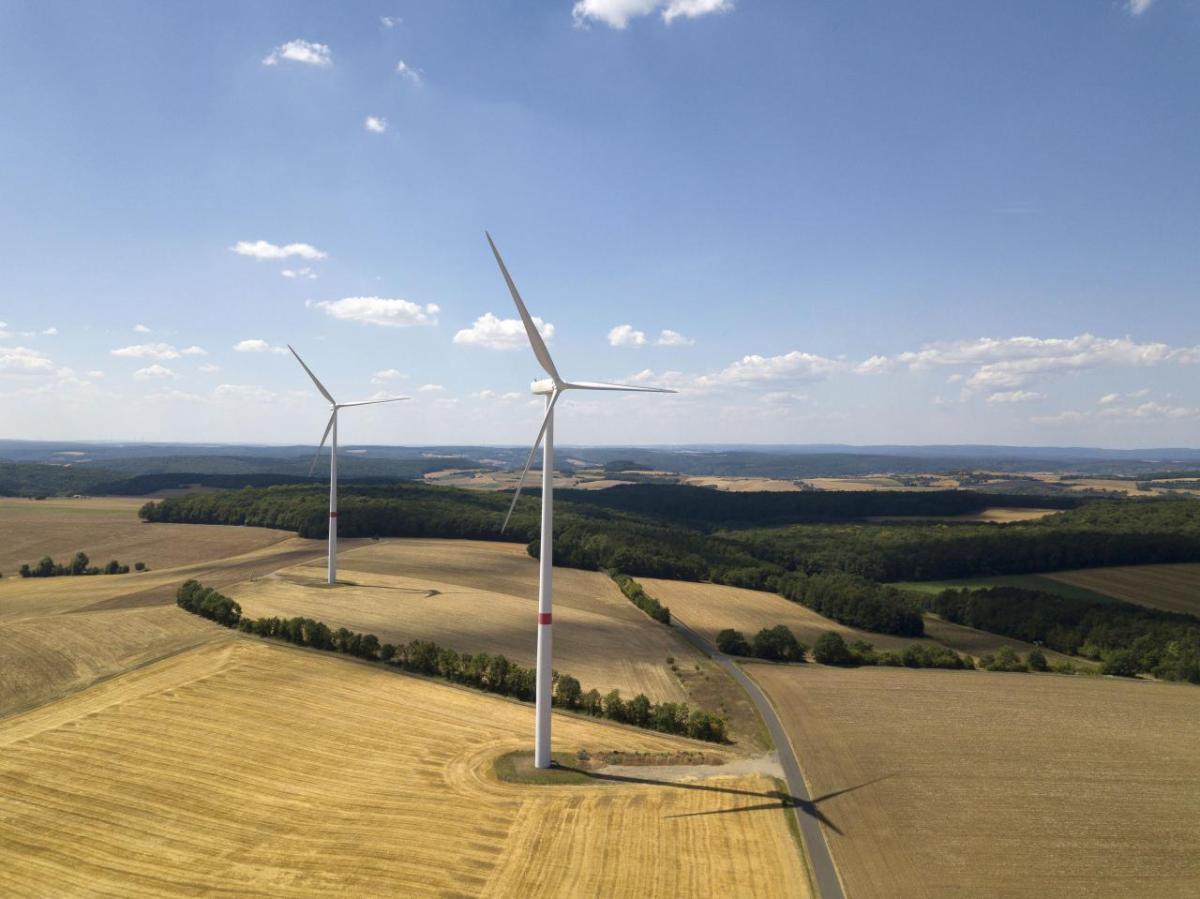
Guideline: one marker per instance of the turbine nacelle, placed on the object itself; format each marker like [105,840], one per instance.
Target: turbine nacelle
[544,387]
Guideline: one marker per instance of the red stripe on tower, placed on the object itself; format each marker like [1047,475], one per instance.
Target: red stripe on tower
[543,617]
[333,514]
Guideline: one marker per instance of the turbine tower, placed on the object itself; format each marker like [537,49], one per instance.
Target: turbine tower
[551,388]
[331,428]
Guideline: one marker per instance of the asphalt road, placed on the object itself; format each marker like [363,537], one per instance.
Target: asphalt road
[808,816]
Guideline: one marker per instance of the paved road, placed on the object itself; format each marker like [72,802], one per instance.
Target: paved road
[808,816]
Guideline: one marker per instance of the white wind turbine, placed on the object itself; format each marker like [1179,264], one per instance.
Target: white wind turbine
[331,428]
[551,388]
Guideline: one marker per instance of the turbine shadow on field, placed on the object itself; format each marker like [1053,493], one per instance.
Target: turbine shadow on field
[779,798]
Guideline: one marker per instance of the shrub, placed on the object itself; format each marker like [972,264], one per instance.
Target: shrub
[831,649]
[777,644]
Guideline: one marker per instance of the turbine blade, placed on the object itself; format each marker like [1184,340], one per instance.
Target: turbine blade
[602,385]
[535,339]
[533,451]
[390,399]
[324,437]
[320,386]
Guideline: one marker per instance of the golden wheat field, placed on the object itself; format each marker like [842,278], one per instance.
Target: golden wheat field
[951,784]
[710,608]
[246,768]
[476,596]
[107,528]
[1175,588]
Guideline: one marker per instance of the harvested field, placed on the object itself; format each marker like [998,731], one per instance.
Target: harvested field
[477,596]
[710,608]
[1174,588]
[746,485]
[108,528]
[998,514]
[254,769]
[951,784]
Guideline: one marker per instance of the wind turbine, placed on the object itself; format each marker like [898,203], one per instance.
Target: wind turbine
[331,428]
[551,388]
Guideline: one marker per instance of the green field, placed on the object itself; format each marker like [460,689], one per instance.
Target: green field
[1022,581]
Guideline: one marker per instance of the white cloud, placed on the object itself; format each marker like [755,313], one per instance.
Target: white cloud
[484,394]
[305,52]
[147,351]
[24,360]
[194,351]
[375,124]
[625,335]
[667,337]
[387,375]
[405,70]
[501,333]
[617,13]
[305,272]
[1109,398]
[208,368]
[380,311]
[256,345]
[692,9]
[390,21]
[154,372]
[1137,7]
[141,329]
[783,397]
[431,388]
[876,365]
[796,366]
[95,373]
[1007,363]
[1015,396]
[262,249]
[510,396]
[50,332]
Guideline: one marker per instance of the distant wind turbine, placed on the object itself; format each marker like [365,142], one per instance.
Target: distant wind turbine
[551,388]
[331,428]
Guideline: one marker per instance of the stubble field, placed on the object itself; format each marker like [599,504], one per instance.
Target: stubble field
[254,769]
[476,596]
[950,784]
[1174,588]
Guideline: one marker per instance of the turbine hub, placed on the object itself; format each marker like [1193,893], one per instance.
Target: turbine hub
[542,387]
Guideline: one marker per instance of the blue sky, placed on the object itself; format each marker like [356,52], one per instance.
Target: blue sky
[867,222]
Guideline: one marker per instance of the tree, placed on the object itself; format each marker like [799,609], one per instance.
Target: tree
[567,691]
[1036,660]
[831,649]
[638,710]
[1005,659]
[733,642]
[79,564]
[777,644]
[591,703]
[614,706]
[1122,663]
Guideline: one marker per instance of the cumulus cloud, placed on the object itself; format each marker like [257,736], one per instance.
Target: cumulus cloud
[208,368]
[300,51]
[141,329]
[625,335]
[617,13]
[796,366]
[1137,7]
[23,360]
[257,345]
[293,273]
[1141,412]
[876,365]
[387,375]
[262,249]
[375,124]
[50,332]
[1008,363]
[1110,398]
[431,388]
[403,69]
[147,351]
[390,21]
[391,313]
[154,372]
[194,351]
[667,337]
[501,333]
[1015,396]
